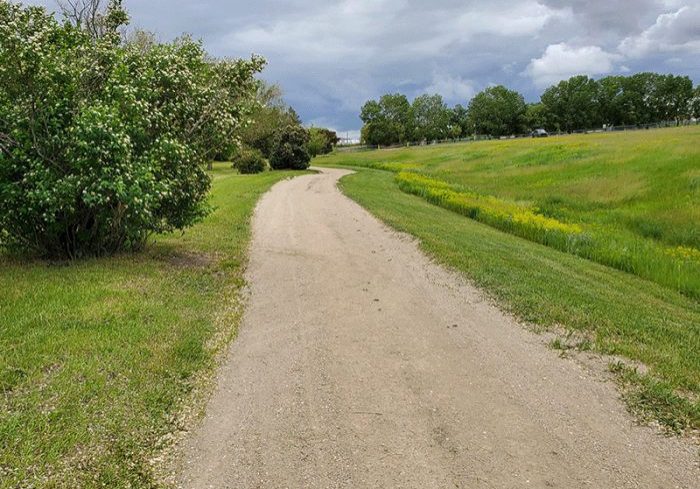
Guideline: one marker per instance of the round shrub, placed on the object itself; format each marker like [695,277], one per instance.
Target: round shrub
[290,148]
[102,143]
[249,161]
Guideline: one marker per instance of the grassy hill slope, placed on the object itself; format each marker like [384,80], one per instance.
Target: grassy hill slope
[627,200]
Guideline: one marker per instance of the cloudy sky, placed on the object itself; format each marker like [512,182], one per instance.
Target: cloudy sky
[331,56]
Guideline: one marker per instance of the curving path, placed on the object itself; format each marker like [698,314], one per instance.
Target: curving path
[360,364]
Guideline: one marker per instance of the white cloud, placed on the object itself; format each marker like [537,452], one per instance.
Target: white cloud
[454,89]
[388,29]
[512,20]
[561,61]
[672,33]
[319,35]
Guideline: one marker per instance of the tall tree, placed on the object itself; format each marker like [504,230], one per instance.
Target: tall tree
[639,98]
[269,113]
[537,116]
[573,103]
[459,117]
[497,111]
[387,121]
[672,97]
[431,118]
[610,99]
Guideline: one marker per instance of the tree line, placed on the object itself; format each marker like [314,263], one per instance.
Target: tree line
[576,104]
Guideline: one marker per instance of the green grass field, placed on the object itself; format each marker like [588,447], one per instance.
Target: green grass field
[99,358]
[627,200]
[615,312]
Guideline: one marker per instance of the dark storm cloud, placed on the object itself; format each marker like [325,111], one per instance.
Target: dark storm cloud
[332,56]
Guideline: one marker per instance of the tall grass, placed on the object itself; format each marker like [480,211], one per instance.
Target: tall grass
[674,267]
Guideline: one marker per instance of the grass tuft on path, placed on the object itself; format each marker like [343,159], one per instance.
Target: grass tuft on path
[98,358]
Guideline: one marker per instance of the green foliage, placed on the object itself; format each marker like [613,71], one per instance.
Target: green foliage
[695,103]
[537,117]
[290,148]
[269,113]
[644,98]
[317,142]
[249,161]
[431,118]
[387,121]
[393,120]
[576,104]
[497,111]
[225,153]
[322,141]
[610,107]
[89,16]
[459,118]
[572,103]
[101,143]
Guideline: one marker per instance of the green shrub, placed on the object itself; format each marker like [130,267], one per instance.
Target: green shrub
[102,143]
[249,161]
[290,148]
[322,141]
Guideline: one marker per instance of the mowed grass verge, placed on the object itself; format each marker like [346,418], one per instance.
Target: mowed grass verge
[611,311]
[98,358]
[626,200]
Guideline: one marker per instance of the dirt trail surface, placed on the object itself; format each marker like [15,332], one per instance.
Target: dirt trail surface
[361,364]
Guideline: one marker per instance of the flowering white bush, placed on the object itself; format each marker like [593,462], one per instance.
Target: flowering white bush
[102,142]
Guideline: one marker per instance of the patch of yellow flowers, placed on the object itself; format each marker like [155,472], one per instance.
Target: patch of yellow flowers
[684,253]
[486,208]
[676,267]
[392,167]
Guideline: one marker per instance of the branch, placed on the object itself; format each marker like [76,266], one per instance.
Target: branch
[6,143]
[84,14]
